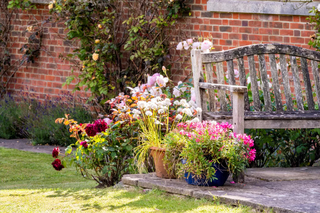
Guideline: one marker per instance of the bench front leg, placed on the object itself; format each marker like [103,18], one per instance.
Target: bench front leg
[238,112]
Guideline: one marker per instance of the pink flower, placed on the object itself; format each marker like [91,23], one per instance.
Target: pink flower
[162,81]
[252,155]
[180,46]
[193,95]
[190,41]
[152,79]
[108,121]
[206,45]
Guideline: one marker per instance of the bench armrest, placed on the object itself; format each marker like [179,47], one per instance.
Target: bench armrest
[231,88]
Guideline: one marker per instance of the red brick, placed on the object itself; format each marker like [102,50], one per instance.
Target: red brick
[286,32]
[297,40]
[296,26]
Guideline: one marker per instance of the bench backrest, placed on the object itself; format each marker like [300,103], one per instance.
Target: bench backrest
[293,98]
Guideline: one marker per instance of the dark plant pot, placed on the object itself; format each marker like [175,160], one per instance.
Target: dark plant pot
[221,176]
[158,157]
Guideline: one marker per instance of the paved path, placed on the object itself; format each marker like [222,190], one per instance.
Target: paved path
[282,189]
[26,145]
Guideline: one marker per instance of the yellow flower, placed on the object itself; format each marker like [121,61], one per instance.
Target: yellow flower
[99,26]
[30,28]
[97,41]
[83,67]
[50,6]
[95,56]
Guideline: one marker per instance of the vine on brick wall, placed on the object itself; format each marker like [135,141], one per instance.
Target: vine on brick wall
[119,42]
[9,10]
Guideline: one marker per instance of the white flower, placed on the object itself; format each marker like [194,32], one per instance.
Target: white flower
[157,122]
[141,104]
[148,113]
[160,111]
[189,41]
[135,111]
[187,111]
[318,7]
[236,73]
[183,89]
[186,105]
[179,117]
[192,103]
[161,81]
[179,46]
[176,102]
[136,116]
[248,80]
[196,45]
[153,106]
[195,120]
[167,102]
[183,101]
[185,45]
[199,110]
[179,109]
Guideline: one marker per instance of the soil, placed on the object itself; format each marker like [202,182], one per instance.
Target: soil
[26,145]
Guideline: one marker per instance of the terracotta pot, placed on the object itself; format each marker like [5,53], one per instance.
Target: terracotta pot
[158,157]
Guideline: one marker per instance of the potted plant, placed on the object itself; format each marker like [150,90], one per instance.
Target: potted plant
[211,151]
[159,109]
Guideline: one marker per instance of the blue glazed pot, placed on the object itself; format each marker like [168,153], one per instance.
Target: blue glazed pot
[221,176]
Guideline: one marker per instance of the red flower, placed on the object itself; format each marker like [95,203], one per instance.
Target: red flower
[100,125]
[84,144]
[90,130]
[55,152]
[57,165]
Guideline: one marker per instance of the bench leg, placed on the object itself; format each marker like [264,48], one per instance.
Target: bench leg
[238,112]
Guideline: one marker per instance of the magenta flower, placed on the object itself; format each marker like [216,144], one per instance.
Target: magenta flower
[55,152]
[84,144]
[57,165]
[100,125]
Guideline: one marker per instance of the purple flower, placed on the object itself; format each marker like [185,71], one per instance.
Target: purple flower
[84,144]
[57,165]
[55,152]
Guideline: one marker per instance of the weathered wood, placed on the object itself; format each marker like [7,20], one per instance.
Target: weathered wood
[225,87]
[221,93]
[296,80]
[197,75]
[238,113]
[211,96]
[307,83]
[293,115]
[257,49]
[315,72]
[285,82]
[275,82]
[243,82]
[254,84]
[231,77]
[281,124]
[265,83]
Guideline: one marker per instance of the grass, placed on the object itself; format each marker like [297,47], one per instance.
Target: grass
[28,183]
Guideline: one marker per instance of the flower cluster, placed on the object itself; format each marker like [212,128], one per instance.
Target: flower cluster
[206,45]
[98,126]
[57,164]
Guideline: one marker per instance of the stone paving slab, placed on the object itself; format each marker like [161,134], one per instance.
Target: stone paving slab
[282,196]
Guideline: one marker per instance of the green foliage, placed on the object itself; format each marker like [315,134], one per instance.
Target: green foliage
[35,120]
[20,4]
[107,156]
[119,41]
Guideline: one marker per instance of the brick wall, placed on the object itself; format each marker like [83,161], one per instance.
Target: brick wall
[228,30]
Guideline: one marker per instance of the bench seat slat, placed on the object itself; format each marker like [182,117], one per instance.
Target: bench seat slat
[286,85]
[315,72]
[222,93]
[307,83]
[296,80]
[265,83]
[243,82]
[254,84]
[275,82]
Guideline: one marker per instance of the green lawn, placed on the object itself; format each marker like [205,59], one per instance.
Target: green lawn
[28,183]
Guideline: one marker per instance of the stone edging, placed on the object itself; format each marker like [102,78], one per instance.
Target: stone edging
[171,186]
[260,7]
[41,1]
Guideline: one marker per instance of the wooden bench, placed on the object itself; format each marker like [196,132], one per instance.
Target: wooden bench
[291,97]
